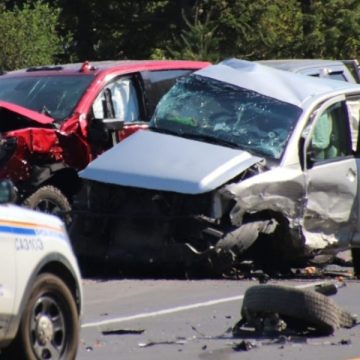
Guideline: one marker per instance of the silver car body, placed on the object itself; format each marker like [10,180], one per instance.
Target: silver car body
[321,198]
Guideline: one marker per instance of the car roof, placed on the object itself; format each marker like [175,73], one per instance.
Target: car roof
[282,85]
[109,66]
[298,65]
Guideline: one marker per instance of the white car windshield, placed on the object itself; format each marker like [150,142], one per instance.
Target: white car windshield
[210,110]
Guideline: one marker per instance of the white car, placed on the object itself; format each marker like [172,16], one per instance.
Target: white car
[40,285]
[241,161]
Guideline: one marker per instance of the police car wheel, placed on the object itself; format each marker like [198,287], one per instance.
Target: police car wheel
[50,325]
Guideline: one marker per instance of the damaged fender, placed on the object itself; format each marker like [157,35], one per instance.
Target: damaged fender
[281,190]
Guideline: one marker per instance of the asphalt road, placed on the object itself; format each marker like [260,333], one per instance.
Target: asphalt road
[183,319]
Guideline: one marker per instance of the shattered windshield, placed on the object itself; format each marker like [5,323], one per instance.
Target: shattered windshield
[209,110]
[55,96]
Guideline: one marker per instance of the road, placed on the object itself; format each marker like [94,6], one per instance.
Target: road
[190,319]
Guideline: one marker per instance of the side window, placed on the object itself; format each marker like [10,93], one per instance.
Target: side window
[157,83]
[118,100]
[331,138]
[337,76]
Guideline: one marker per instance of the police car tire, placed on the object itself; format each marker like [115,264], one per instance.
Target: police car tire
[300,306]
[54,288]
[55,197]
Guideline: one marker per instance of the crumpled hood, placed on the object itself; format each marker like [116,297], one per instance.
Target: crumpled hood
[165,162]
[27,113]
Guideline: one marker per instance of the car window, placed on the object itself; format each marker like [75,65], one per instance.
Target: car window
[331,138]
[337,76]
[157,83]
[55,96]
[118,100]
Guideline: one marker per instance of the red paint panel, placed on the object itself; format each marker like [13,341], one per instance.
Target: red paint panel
[30,114]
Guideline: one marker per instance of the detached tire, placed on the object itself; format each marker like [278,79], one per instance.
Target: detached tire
[49,326]
[50,199]
[302,307]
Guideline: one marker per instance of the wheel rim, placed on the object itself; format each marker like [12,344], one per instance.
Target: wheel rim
[49,207]
[48,328]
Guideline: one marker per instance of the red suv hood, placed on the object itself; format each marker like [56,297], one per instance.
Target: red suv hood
[30,114]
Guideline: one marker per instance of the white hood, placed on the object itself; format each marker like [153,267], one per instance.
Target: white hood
[164,162]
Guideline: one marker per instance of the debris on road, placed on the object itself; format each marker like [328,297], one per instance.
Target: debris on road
[167,342]
[245,345]
[266,309]
[123,332]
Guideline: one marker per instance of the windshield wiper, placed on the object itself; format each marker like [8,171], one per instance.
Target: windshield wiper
[46,111]
[201,137]
[164,131]
[210,139]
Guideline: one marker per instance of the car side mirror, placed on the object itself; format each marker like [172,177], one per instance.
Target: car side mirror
[8,192]
[101,130]
[113,124]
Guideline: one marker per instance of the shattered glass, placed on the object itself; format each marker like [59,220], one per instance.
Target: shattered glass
[210,110]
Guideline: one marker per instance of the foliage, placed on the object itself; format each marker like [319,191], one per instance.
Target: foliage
[257,29]
[198,41]
[331,28]
[28,35]
[193,29]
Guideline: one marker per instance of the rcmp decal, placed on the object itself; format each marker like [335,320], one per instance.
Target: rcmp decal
[25,244]
[28,236]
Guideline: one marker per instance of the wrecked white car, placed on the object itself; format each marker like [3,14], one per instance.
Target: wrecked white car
[241,161]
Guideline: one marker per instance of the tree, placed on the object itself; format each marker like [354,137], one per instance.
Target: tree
[331,28]
[240,28]
[29,35]
[198,41]
[109,29]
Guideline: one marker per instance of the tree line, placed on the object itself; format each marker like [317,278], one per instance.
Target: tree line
[59,31]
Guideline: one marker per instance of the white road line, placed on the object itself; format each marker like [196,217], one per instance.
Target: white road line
[175,309]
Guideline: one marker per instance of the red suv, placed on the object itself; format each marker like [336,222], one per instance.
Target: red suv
[55,119]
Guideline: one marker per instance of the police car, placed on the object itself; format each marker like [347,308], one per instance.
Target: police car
[40,285]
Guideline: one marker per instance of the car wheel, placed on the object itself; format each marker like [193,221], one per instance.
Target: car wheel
[50,199]
[49,326]
[309,309]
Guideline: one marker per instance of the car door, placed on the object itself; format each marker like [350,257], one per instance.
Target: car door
[120,100]
[331,176]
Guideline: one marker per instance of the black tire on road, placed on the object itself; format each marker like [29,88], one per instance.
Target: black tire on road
[50,325]
[50,199]
[303,307]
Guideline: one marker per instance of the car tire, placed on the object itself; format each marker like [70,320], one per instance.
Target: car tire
[49,326]
[50,199]
[302,308]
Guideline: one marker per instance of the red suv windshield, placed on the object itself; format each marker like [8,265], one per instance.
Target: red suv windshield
[55,96]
